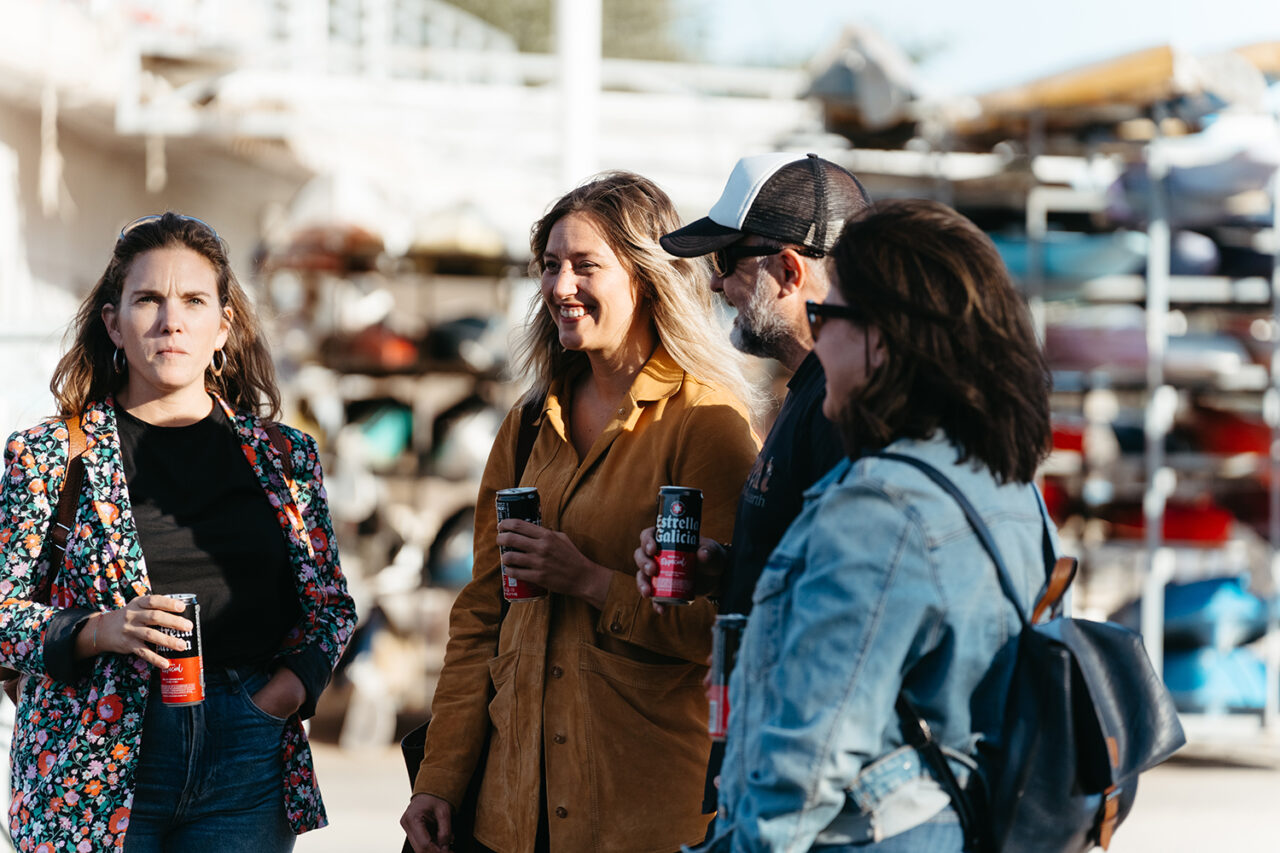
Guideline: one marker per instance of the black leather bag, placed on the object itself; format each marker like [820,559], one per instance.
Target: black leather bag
[413,746]
[1085,714]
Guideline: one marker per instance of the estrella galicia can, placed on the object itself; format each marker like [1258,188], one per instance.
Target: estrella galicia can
[725,639]
[521,503]
[679,522]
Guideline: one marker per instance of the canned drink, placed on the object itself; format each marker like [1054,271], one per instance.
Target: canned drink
[725,639]
[679,522]
[182,682]
[521,503]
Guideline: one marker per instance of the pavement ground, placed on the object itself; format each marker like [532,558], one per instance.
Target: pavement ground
[1204,803]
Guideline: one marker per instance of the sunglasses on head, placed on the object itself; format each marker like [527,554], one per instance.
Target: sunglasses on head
[156,217]
[820,312]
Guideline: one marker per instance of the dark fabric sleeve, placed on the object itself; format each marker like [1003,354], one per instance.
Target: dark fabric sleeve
[60,645]
[312,668]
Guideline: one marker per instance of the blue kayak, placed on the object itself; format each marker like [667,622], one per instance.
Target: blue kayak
[1075,255]
[1216,612]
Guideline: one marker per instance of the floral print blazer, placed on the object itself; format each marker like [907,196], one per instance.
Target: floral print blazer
[76,740]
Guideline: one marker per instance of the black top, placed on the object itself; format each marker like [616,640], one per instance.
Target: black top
[205,526]
[802,446]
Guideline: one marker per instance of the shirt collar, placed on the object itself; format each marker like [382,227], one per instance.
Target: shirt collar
[661,377]
[807,368]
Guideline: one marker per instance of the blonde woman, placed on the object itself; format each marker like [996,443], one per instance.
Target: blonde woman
[597,726]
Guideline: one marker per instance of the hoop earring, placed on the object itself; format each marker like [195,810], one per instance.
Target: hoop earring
[219,362]
[118,361]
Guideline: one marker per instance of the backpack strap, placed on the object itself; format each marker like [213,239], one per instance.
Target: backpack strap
[66,515]
[281,444]
[1060,578]
[975,521]
[918,734]
[530,411]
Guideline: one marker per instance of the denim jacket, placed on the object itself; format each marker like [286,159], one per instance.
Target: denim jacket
[879,584]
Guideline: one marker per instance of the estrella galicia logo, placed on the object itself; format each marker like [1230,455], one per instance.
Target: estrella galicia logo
[677,508]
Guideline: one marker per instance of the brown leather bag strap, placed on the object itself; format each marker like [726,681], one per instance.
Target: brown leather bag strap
[71,484]
[1064,571]
[280,443]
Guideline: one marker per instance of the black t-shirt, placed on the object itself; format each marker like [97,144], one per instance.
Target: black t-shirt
[206,527]
[802,446]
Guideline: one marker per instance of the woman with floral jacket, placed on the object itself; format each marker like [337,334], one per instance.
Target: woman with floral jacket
[184,490]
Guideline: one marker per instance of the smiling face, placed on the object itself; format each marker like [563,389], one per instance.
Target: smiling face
[587,291]
[169,323]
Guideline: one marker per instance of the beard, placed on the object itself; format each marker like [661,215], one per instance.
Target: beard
[758,330]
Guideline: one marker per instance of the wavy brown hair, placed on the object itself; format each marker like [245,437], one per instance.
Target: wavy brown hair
[85,374]
[961,351]
[632,212]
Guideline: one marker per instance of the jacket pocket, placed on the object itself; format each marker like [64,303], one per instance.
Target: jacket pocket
[502,706]
[769,611]
[646,721]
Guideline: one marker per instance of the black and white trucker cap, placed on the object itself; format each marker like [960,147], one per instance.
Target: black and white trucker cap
[792,198]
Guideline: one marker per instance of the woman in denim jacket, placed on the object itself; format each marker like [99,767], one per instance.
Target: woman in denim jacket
[880,585]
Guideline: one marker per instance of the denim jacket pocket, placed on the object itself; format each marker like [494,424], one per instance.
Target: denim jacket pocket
[769,609]
[898,792]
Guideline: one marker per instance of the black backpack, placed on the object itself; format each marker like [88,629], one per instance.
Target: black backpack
[1085,714]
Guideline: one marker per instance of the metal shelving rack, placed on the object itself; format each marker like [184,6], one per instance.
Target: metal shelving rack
[1160,471]
[1161,475]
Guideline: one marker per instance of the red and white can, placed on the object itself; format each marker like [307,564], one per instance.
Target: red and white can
[182,682]
[725,638]
[521,503]
[679,523]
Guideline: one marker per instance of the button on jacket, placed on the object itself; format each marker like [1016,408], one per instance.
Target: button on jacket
[879,582]
[611,700]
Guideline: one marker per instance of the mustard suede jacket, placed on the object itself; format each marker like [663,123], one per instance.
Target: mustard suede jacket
[611,700]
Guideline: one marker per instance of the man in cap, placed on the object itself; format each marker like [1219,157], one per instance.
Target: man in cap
[778,216]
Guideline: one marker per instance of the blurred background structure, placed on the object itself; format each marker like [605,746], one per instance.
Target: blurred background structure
[375,166]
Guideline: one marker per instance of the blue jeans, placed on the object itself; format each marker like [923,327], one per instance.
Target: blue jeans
[940,834]
[210,777]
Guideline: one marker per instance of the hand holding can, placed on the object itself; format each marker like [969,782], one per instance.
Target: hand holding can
[521,503]
[725,638]
[679,522]
[135,629]
[182,681]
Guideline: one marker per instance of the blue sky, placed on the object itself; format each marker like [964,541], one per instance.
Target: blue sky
[978,44]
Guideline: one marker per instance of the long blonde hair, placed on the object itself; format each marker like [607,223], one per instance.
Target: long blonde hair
[632,212]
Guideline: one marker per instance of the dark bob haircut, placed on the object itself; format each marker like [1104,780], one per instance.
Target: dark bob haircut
[961,351]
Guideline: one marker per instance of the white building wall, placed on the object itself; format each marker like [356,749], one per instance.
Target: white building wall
[49,263]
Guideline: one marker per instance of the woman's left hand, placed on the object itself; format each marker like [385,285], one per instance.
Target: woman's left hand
[282,696]
[549,559]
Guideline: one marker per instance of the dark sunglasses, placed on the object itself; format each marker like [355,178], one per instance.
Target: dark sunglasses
[820,312]
[156,217]
[725,261]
